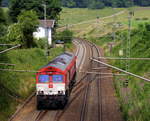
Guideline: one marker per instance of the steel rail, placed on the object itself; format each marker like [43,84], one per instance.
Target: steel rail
[99,89]
[83,56]
[83,112]
[40,115]
[22,106]
[10,48]
[77,93]
[103,77]
[87,72]
[129,73]
[100,68]
[78,85]
[87,91]
[116,58]
[98,82]
[85,99]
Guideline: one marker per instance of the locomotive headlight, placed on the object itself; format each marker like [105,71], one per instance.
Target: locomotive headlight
[40,92]
[60,92]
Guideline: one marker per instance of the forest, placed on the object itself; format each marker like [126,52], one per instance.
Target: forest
[98,4]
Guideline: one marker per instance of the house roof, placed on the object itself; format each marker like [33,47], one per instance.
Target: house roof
[49,23]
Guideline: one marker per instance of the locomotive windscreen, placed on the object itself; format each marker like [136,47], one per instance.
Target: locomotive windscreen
[57,78]
[43,78]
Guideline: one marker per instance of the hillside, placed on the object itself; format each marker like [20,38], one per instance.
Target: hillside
[71,16]
[134,99]
[15,87]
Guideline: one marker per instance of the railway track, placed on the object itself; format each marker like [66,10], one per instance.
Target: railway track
[38,115]
[84,111]
[81,88]
[99,92]
[78,85]
[85,90]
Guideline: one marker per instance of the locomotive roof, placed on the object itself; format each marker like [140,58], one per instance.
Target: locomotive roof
[61,61]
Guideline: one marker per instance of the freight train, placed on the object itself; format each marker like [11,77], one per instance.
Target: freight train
[55,80]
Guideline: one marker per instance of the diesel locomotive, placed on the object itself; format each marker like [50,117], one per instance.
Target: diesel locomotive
[55,80]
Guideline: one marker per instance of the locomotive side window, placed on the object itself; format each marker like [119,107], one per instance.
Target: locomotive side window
[43,78]
[57,78]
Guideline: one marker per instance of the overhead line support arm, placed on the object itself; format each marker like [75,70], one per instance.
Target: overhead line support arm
[129,73]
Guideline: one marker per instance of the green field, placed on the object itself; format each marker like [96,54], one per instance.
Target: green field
[5,9]
[76,15]
[87,25]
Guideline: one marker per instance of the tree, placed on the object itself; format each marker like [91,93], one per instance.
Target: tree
[65,36]
[2,22]
[22,31]
[28,21]
[71,4]
[15,34]
[53,8]
[112,3]
[68,3]
[96,5]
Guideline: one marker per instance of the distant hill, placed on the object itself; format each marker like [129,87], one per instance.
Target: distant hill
[103,3]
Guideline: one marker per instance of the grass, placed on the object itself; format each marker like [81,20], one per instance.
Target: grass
[5,9]
[88,26]
[77,15]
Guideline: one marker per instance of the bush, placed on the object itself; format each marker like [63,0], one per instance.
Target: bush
[137,19]
[20,83]
[40,43]
[65,36]
[145,18]
[96,5]
[22,32]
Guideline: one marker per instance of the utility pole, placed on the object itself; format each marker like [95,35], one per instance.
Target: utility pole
[113,31]
[128,43]
[46,32]
[128,49]
[114,25]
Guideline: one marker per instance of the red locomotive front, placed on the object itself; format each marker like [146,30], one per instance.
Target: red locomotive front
[55,80]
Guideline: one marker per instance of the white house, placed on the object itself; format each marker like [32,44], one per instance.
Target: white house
[41,30]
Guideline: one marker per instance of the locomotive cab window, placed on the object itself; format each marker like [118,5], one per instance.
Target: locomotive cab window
[57,78]
[43,78]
